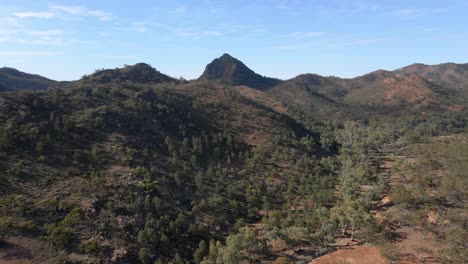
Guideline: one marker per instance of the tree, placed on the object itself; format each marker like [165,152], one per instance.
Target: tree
[215,254]
[249,242]
[325,234]
[294,235]
[232,251]
[268,235]
[199,252]
[144,255]
[357,214]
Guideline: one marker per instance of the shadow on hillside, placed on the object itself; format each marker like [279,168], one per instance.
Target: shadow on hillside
[9,251]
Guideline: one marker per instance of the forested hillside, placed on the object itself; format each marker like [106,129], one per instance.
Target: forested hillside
[132,166]
[14,80]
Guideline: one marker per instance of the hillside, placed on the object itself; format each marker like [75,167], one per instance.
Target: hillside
[140,72]
[127,171]
[402,91]
[379,92]
[129,165]
[14,80]
[229,70]
[449,75]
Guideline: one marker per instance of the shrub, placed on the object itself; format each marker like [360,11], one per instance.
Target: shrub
[282,260]
[89,246]
[59,235]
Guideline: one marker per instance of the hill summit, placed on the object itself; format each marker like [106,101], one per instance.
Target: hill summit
[229,70]
[139,73]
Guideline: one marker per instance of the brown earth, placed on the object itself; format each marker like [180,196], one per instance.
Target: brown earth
[365,254]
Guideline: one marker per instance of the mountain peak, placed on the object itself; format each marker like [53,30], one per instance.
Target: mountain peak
[229,70]
[139,73]
[226,56]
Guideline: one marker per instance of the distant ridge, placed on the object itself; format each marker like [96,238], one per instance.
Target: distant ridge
[15,80]
[229,70]
[449,75]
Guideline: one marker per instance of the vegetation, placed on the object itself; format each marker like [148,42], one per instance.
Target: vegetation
[134,166]
[14,80]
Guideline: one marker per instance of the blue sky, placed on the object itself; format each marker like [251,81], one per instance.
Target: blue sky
[64,40]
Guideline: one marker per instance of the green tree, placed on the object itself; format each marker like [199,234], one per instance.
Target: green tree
[200,252]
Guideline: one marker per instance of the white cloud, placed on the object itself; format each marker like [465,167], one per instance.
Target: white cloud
[81,11]
[104,16]
[363,41]
[73,10]
[26,53]
[8,32]
[141,29]
[407,12]
[9,21]
[190,33]
[415,13]
[45,33]
[303,34]
[4,39]
[179,10]
[294,46]
[57,11]
[141,26]
[47,15]
[116,57]
[32,37]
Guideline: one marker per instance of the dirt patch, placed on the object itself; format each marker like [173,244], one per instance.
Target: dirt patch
[365,254]
[416,247]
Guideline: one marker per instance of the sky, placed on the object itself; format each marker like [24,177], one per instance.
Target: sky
[63,40]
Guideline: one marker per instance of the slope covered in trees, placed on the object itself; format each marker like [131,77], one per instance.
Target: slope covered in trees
[14,80]
[132,166]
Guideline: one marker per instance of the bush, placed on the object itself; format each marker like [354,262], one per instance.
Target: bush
[390,252]
[59,235]
[89,246]
[282,260]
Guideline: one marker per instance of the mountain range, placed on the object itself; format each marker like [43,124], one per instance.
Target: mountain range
[130,165]
[412,88]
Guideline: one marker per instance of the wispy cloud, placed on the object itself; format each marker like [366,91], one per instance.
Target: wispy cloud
[178,10]
[26,53]
[81,11]
[414,13]
[44,33]
[424,29]
[302,34]
[47,41]
[117,57]
[407,12]
[34,37]
[190,33]
[60,11]
[330,44]
[142,26]
[4,39]
[297,46]
[47,15]
[9,21]
[362,41]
